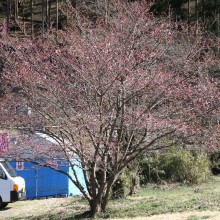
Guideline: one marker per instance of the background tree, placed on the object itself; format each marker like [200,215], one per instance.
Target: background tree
[108,93]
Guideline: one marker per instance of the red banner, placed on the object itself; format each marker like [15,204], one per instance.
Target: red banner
[4,146]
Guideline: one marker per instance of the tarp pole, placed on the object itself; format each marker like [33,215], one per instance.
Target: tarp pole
[36,179]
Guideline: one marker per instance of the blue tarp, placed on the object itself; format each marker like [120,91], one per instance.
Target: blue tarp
[44,182]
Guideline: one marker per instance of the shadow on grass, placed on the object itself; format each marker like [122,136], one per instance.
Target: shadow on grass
[84,215]
[58,216]
[6,208]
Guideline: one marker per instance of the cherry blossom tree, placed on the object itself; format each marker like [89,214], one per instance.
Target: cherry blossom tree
[109,92]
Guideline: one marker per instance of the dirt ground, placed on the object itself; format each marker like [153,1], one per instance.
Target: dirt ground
[194,215]
[62,208]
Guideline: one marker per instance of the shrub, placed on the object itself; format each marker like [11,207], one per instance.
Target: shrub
[121,186]
[127,182]
[215,162]
[176,166]
[150,170]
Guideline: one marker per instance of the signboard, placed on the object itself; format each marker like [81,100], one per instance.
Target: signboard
[19,165]
[4,146]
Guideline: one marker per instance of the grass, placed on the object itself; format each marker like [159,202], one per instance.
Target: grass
[154,200]
[151,200]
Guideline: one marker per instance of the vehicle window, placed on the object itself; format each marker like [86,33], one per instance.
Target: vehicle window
[9,169]
[2,174]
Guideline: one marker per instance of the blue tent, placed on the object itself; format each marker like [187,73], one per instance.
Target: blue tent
[45,182]
[42,181]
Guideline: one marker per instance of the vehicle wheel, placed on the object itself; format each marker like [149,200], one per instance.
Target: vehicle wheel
[4,204]
[1,203]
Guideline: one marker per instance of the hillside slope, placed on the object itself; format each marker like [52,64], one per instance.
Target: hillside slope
[25,19]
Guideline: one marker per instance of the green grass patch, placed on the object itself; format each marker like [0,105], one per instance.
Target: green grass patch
[151,200]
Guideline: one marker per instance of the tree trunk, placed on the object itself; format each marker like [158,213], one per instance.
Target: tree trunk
[43,16]
[57,14]
[95,207]
[32,22]
[188,15]
[197,17]
[15,9]
[100,202]
[7,12]
[49,14]
[98,205]
[46,15]
[73,3]
[203,11]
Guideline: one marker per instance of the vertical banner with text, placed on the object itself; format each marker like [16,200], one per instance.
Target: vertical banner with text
[4,146]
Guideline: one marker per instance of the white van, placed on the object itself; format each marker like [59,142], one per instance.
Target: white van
[12,187]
